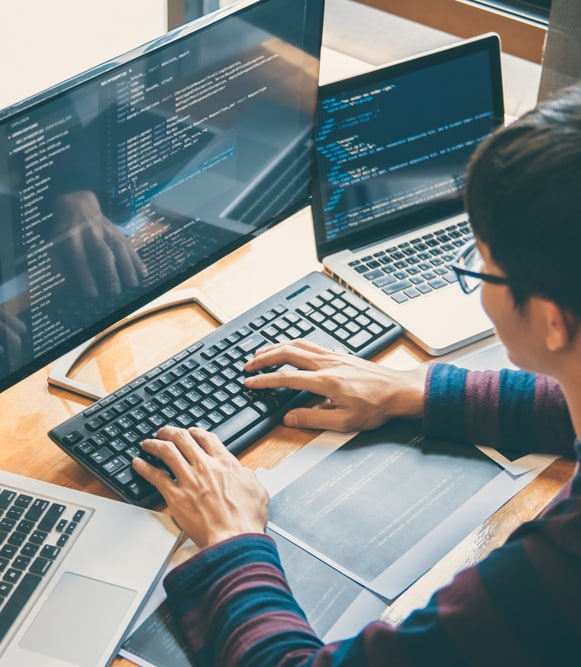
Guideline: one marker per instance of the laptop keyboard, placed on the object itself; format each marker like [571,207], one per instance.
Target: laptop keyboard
[416,267]
[34,535]
[203,384]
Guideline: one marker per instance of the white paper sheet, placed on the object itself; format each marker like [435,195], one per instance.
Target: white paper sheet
[456,519]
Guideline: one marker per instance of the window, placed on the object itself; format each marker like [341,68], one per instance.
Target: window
[535,10]
[521,34]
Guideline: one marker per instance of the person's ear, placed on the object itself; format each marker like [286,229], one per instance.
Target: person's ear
[557,325]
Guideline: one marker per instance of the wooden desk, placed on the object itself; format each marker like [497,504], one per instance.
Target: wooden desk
[250,274]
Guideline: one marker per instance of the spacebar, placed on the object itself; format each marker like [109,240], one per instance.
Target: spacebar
[16,602]
[238,422]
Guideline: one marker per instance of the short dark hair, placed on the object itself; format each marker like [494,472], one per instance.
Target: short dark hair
[523,197]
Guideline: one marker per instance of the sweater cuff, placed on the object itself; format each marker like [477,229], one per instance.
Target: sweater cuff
[198,573]
[444,412]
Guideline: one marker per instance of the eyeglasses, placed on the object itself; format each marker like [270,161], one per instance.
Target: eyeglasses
[466,268]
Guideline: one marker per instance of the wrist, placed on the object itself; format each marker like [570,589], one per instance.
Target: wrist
[410,398]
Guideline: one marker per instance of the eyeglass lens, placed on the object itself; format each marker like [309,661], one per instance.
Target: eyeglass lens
[472,261]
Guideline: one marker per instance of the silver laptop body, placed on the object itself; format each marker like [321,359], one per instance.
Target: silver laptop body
[391,151]
[110,556]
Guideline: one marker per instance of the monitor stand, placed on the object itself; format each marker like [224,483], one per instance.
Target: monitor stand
[59,373]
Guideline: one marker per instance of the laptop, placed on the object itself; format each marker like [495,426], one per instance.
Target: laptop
[76,568]
[391,151]
[241,176]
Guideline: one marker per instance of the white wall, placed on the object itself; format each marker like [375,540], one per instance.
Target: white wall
[43,42]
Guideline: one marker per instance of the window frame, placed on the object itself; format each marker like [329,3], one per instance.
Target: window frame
[520,36]
[531,9]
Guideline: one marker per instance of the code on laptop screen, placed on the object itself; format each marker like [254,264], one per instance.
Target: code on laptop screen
[401,141]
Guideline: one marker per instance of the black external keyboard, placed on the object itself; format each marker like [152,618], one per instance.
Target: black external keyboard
[203,384]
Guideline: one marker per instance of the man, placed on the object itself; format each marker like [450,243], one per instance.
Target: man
[522,604]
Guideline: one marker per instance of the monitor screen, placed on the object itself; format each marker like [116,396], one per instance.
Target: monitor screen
[126,180]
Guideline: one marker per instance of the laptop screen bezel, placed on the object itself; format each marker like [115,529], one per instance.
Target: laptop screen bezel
[416,217]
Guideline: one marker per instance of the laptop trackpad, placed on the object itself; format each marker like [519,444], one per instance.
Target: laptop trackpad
[78,620]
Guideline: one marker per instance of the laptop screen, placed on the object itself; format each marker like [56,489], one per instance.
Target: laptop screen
[392,145]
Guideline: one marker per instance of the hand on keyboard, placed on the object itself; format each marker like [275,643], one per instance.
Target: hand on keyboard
[359,394]
[208,479]
[205,386]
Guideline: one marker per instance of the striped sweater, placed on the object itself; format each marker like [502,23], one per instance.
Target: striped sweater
[521,605]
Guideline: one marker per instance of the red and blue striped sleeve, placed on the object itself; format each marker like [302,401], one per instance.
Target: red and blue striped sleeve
[509,410]
[518,606]
[231,597]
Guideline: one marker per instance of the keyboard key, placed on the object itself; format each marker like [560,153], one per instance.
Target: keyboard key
[5,588]
[15,512]
[50,551]
[243,419]
[8,551]
[21,562]
[12,575]
[25,526]
[6,497]
[359,340]
[252,343]
[38,537]
[437,283]
[29,549]
[10,610]
[16,539]
[40,566]
[397,287]
[23,500]
[62,540]
[51,517]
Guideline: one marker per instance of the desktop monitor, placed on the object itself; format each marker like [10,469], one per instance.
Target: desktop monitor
[124,181]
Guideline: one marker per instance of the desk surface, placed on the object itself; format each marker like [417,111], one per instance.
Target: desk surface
[249,275]
[237,282]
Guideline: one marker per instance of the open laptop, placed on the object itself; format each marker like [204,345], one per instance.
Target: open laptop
[76,569]
[391,151]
